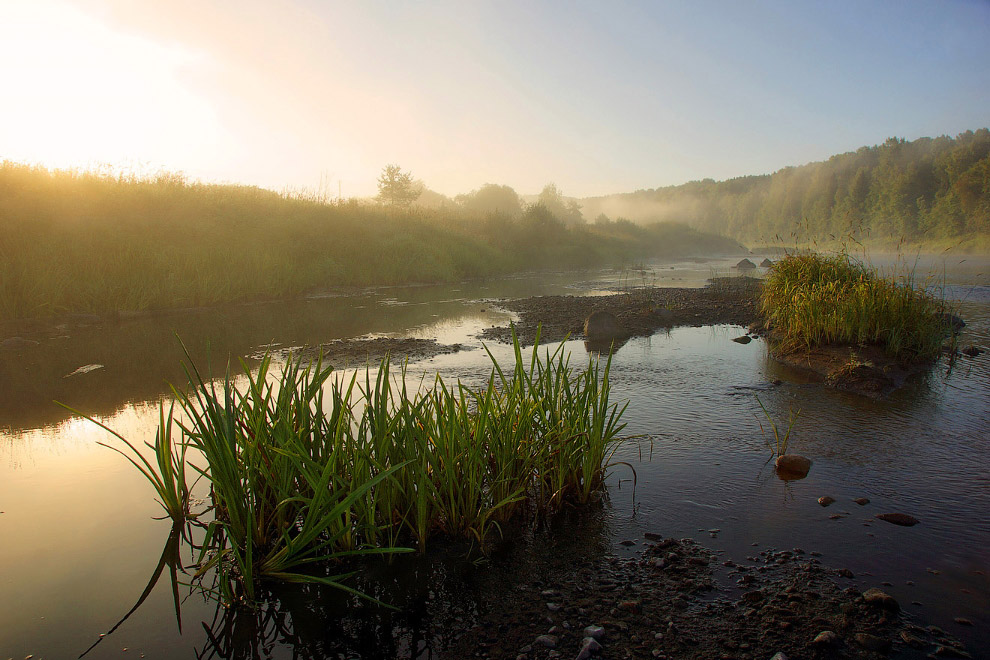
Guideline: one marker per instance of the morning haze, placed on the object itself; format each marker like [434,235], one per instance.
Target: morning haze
[513,329]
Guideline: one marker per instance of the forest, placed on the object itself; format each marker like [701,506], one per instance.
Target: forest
[931,192]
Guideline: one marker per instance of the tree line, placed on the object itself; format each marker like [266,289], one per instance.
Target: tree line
[928,189]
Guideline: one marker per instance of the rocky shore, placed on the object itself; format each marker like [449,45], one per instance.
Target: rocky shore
[640,313]
[677,599]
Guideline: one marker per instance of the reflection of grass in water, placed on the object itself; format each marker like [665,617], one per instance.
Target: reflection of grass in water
[305,469]
[812,300]
[84,242]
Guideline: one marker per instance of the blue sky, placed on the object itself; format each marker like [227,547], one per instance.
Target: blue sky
[596,97]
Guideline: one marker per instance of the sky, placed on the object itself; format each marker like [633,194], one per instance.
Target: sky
[597,97]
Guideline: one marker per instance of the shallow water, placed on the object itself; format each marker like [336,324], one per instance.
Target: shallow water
[80,542]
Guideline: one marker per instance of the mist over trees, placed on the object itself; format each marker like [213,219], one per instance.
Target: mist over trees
[928,189]
[397,188]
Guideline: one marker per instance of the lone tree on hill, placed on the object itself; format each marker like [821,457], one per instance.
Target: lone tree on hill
[397,188]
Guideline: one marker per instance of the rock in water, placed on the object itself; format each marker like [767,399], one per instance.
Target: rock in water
[880,599]
[902,519]
[792,466]
[744,339]
[745,264]
[862,501]
[602,325]
[826,500]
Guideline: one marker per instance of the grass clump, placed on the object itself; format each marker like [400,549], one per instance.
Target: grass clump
[305,468]
[813,300]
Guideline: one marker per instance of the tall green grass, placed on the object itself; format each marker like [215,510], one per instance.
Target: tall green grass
[306,468]
[85,242]
[814,299]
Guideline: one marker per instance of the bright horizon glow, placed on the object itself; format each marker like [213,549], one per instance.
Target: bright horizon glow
[598,99]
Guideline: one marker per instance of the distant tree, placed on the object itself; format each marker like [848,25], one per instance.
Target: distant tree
[397,188]
[492,198]
[567,211]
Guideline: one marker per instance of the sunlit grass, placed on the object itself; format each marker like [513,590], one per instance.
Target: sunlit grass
[84,242]
[305,468]
[813,300]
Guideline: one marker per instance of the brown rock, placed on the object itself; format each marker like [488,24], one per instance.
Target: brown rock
[862,501]
[882,599]
[826,500]
[602,325]
[792,466]
[902,519]
[826,638]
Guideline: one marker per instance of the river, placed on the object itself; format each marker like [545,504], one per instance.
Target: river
[79,538]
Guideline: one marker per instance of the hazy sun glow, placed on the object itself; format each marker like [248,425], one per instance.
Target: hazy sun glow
[88,95]
[595,97]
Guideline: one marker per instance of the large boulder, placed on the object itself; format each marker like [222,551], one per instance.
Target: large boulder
[745,264]
[602,326]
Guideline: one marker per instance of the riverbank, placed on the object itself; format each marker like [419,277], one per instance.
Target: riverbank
[677,599]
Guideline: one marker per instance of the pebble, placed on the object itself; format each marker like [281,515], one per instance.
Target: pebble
[779,655]
[553,607]
[872,642]
[951,652]
[595,632]
[546,641]
[845,572]
[589,647]
[963,621]
[862,501]
[826,638]
[826,500]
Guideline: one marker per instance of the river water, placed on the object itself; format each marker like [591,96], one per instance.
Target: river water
[78,541]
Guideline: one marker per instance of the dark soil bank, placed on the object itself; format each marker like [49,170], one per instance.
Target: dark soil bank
[677,600]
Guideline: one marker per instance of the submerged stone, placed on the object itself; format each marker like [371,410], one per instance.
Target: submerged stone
[901,519]
[826,500]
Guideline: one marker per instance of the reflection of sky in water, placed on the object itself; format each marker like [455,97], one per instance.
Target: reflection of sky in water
[85,540]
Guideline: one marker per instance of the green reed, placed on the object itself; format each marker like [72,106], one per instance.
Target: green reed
[306,469]
[812,300]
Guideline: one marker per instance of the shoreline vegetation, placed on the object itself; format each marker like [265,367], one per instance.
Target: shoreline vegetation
[306,469]
[77,242]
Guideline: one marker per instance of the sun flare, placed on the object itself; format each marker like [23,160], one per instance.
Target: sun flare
[81,93]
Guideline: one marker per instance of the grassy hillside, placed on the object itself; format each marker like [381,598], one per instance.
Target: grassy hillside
[81,242]
[929,193]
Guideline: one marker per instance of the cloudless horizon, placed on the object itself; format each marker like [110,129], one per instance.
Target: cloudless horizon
[598,98]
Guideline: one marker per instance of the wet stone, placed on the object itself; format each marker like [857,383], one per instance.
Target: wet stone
[546,641]
[862,501]
[826,638]
[879,598]
[826,500]
[872,642]
[901,519]
[595,632]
